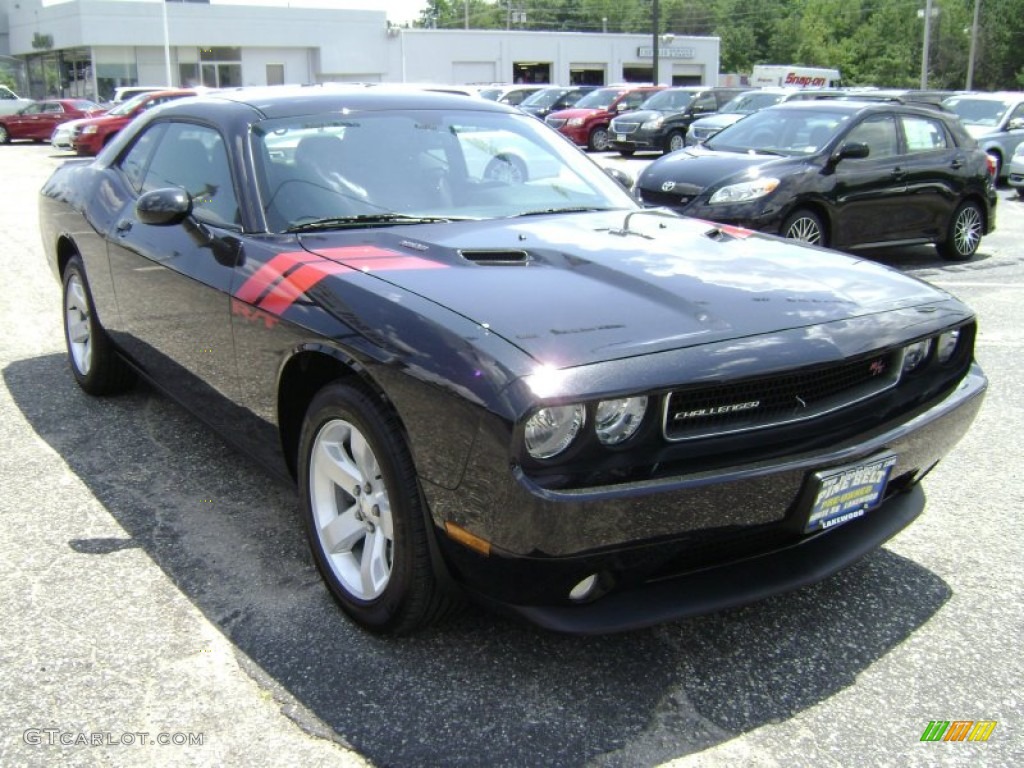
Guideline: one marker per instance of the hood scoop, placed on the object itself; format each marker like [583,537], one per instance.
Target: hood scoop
[496,257]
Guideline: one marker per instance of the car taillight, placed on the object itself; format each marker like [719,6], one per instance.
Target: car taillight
[991,161]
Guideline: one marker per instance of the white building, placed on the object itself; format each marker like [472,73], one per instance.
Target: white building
[89,47]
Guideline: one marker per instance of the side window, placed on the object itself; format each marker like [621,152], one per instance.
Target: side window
[923,134]
[33,109]
[194,158]
[879,133]
[134,163]
[632,100]
[52,106]
[705,103]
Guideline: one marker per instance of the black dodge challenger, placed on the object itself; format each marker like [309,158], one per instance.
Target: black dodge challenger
[489,372]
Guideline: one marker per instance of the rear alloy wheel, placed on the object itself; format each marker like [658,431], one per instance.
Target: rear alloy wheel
[964,234]
[806,226]
[674,141]
[96,366]
[598,140]
[365,517]
[5,137]
[506,168]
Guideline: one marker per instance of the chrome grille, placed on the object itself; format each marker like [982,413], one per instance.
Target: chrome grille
[782,399]
[622,126]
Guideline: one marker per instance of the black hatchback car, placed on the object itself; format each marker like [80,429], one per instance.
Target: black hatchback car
[849,175]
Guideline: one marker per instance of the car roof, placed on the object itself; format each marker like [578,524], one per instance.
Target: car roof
[287,101]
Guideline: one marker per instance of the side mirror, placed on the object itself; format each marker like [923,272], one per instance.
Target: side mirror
[622,177]
[163,207]
[855,150]
[1016,124]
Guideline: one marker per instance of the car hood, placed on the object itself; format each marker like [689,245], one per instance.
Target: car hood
[980,131]
[699,167]
[104,119]
[573,289]
[568,114]
[641,115]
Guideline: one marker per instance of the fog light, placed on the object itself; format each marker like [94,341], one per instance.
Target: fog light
[946,345]
[584,589]
[915,354]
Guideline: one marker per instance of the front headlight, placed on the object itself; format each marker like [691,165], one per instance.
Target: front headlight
[915,354]
[618,420]
[946,345]
[575,122]
[745,191]
[89,129]
[653,124]
[551,430]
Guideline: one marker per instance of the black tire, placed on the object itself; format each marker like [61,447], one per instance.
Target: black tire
[5,137]
[627,152]
[96,366]
[599,140]
[963,235]
[674,141]
[806,226]
[361,500]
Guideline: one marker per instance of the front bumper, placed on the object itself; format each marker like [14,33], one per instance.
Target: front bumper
[637,141]
[667,549]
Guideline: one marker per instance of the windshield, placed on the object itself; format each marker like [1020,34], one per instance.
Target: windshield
[363,168]
[781,131]
[602,98]
[746,103]
[544,98]
[978,111]
[126,107]
[668,101]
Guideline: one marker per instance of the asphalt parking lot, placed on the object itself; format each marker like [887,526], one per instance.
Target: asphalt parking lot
[160,606]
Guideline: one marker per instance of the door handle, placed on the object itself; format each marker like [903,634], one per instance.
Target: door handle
[123,226]
[957,163]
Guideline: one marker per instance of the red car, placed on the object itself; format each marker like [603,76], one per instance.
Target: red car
[92,135]
[37,121]
[587,122]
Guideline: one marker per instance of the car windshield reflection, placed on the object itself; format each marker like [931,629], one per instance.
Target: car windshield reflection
[425,165]
[780,131]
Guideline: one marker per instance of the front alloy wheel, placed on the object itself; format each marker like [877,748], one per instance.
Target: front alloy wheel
[365,517]
[805,226]
[351,509]
[964,235]
[599,140]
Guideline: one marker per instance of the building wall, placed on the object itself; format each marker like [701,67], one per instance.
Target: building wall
[318,45]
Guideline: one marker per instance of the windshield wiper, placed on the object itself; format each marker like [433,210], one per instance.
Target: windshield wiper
[368,220]
[578,209]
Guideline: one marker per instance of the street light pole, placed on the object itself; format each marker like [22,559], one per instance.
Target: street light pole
[167,46]
[655,23]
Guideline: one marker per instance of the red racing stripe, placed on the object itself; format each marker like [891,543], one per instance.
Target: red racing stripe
[284,294]
[271,272]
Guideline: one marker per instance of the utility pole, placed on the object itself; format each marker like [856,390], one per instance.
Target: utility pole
[927,39]
[974,43]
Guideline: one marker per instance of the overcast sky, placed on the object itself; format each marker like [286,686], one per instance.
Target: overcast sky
[399,11]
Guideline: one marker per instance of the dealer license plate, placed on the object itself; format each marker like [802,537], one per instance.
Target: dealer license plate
[620,137]
[846,493]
